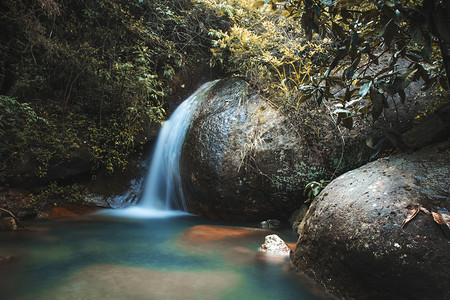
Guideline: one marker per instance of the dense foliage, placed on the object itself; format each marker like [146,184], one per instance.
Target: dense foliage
[270,51]
[91,74]
[94,75]
[356,58]
[413,35]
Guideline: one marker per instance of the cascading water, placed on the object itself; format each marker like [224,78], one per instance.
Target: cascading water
[163,193]
[163,189]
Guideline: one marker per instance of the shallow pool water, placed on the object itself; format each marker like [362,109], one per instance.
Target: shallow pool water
[179,257]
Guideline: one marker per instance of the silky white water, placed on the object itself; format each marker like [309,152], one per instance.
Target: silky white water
[163,193]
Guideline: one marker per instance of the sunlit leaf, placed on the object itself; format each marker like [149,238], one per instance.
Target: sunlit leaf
[342,111]
[327,2]
[364,89]
[258,4]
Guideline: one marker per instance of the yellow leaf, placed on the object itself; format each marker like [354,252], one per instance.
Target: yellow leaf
[258,4]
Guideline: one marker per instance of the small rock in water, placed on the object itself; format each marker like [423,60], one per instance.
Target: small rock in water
[274,245]
[270,224]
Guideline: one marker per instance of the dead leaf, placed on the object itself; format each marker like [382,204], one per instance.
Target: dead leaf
[411,214]
[441,222]
[438,218]
[424,210]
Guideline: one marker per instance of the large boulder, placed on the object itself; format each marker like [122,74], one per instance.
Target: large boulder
[381,231]
[243,159]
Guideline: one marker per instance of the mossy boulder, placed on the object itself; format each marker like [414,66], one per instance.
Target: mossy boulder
[374,232]
[243,159]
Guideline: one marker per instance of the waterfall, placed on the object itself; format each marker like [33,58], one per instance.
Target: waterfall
[163,193]
[163,189]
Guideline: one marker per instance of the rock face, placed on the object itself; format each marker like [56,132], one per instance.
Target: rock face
[360,240]
[242,159]
[23,173]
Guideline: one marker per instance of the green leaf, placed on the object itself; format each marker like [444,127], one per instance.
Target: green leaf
[427,52]
[428,84]
[349,72]
[319,98]
[384,71]
[354,39]
[348,94]
[417,32]
[364,89]
[305,97]
[443,82]
[370,141]
[384,29]
[327,2]
[316,10]
[342,111]
[336,29]
[389,34]
[403,80]
[377,103]
[398,16]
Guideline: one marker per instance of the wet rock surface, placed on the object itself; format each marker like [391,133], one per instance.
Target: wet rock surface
[274,245]
[372,232]
[123,188]
[243,160]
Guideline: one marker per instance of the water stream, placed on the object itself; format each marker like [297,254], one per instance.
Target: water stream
[154,250]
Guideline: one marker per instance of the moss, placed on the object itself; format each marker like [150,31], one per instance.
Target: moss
[290,180]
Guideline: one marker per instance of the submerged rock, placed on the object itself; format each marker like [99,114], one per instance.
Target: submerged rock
[122,282]
[230,241]
[270,224]
[205,238]
[243,159]
[373,233]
